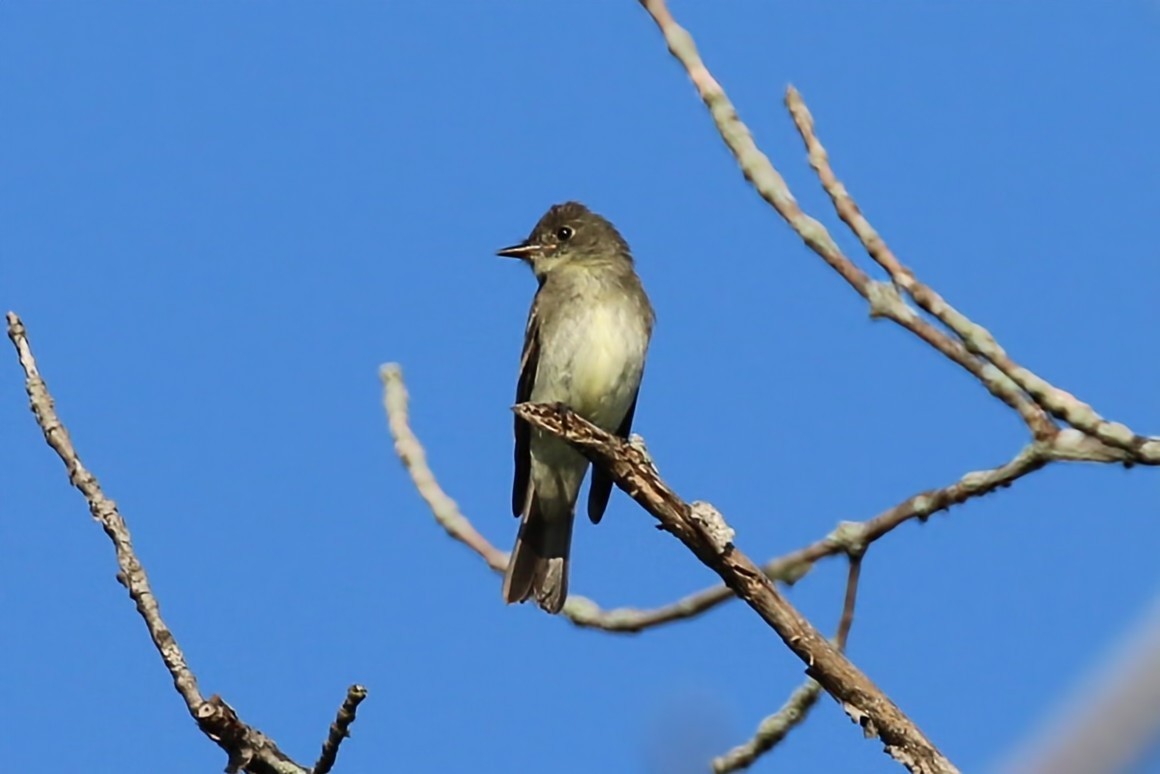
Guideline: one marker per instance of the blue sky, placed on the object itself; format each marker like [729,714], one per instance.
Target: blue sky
[220,218]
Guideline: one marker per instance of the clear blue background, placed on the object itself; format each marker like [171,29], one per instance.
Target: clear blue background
[219,218]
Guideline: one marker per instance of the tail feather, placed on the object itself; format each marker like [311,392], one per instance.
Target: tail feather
[538,566]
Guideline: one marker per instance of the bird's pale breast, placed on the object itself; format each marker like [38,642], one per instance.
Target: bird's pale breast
[599,352]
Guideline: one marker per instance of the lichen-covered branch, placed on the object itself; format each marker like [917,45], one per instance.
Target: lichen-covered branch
[704,532]
[247,748]
[883,297]
[1090,437]
[848,536]
[772,730]
[977,339]
[789,568]
[414,459]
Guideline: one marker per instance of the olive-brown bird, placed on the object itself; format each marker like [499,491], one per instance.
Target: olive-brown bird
[585,345]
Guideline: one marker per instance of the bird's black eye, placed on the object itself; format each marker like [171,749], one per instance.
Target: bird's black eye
[564,233]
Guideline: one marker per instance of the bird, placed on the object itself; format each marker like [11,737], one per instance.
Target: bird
[585,346]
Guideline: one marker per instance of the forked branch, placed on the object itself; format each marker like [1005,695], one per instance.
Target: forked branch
[247,748]
[777,726]
[704,532]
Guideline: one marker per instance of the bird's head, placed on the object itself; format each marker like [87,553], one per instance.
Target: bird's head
[570,234]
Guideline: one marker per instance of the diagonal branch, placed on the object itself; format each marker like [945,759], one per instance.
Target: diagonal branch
[977,339]
[704,532]
[414,459]
[774,728]
[248,749]
[883,297]
[852,536]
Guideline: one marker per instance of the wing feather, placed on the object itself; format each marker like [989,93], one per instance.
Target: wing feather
[529,361]
[601,487]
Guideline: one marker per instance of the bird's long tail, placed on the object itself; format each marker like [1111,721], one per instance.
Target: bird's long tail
[539,562]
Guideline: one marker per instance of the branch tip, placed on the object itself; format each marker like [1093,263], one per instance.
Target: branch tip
[339,729]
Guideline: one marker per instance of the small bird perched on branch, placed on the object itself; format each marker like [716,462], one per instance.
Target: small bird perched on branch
[585,345]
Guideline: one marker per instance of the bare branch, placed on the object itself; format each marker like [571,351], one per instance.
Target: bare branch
[977,339]
[339,729]
[853,575]
[414,458]
[759,171]
[104,510]
[789,568]
[774,728]
[706,534]
[581,611]
[851,536]
[248,749]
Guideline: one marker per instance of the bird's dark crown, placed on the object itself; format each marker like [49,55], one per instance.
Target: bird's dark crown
[573,227]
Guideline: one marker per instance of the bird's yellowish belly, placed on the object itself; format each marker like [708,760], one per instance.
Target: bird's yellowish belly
[605,367]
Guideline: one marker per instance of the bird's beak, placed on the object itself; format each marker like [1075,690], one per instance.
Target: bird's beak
[524,250]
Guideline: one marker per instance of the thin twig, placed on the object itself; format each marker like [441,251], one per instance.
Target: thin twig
[977,339]
[774,728]
[248,749]
[853,574]
[339,729]
[703,531]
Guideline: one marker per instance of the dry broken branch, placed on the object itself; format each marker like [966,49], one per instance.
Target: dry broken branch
[339,729]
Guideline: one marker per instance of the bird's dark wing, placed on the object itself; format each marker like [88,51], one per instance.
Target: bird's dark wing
[601,488]
[529,360]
